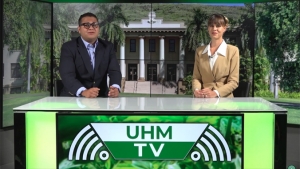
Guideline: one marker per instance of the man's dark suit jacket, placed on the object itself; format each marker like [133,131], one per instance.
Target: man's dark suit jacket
[76,70]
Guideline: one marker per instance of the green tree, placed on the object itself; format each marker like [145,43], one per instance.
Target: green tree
[196,33]
[13,21]
[246,24]
[261,65]
[111,16]
[63,14]
[279,23]
[24,30]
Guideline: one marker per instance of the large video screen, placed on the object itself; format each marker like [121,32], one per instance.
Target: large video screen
[158,54]
[266,35]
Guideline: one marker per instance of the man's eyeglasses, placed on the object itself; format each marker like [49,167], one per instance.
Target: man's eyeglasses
[88,25]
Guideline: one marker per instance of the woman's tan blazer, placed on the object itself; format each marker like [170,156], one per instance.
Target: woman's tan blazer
[224,77]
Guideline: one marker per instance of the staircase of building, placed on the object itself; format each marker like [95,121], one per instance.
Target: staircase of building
[130,86]
[150,86]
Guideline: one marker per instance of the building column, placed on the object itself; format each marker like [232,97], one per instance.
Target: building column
[122,60]
[161,57]
[181,59]
[142,62]
[122,66]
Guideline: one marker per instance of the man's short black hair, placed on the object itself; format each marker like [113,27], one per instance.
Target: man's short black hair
[88,14]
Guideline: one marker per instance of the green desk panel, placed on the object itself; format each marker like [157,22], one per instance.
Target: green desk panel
[40,140]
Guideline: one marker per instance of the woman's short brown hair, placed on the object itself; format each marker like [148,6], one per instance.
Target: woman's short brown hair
[218,20]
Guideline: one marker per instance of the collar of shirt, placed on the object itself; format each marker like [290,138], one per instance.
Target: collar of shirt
[221,50]
[86,43]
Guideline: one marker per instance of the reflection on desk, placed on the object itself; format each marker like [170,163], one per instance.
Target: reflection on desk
[150,104]
[93,103]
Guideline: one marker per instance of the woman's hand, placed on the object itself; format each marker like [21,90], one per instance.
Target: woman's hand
[208,93]
[205,93]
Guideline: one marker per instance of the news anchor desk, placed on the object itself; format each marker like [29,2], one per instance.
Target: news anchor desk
[150,133]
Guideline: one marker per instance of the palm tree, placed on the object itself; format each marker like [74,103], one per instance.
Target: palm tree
[196,33]
[111,16]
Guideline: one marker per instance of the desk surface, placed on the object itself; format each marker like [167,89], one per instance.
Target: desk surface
[151,104]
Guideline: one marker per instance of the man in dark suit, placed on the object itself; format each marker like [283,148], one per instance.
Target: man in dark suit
[86,62]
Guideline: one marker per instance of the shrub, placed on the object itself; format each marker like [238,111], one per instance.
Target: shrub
[188,84]
[263,93]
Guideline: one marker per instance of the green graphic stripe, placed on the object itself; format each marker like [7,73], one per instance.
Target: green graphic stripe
[259,140]
[171,150]
[40,140]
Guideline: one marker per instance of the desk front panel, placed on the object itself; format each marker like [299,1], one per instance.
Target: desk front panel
[49,138]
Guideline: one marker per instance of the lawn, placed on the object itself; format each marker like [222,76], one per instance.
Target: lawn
[284,100]
[11,101]
[14,100]
[293,108]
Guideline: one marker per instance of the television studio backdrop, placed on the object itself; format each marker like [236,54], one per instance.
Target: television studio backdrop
[146,126]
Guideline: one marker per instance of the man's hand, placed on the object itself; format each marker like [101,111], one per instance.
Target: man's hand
[113,92]
[91,93]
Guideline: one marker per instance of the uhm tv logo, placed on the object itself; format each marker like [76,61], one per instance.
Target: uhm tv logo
[149,141]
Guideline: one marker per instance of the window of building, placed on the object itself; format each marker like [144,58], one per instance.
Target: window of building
[132,45]
[151,45]
[172,45]
[189,69]
[15,70]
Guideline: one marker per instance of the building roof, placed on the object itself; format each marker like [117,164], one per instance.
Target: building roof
[154,24]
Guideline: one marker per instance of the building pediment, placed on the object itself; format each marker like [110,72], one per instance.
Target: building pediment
[153,23]
[154,30]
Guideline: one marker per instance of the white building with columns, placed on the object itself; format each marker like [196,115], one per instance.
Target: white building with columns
[153,50]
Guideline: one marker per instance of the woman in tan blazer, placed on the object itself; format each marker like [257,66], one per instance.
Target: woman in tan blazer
[216,68]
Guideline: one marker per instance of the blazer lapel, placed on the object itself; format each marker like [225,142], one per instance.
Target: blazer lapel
[85,56]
